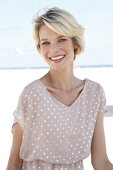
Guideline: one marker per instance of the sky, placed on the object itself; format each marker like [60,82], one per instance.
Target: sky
[17,48]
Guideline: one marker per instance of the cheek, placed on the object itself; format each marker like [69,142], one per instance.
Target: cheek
[70,49]
[69,46]
[43,51]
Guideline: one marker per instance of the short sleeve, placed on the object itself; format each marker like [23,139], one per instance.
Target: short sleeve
[21,110]
[102,101]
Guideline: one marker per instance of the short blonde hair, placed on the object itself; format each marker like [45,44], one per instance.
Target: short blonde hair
[61,22]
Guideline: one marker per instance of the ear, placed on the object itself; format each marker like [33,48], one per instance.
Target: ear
[75,46]
[38,48]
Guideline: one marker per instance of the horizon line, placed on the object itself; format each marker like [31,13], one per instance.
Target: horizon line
[45,67]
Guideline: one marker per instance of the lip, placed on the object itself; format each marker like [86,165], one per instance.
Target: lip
[58,60]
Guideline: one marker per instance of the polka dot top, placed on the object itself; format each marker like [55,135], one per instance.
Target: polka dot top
[56,135]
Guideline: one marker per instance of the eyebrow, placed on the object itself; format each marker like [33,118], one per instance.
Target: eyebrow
[62,36]
[45,39]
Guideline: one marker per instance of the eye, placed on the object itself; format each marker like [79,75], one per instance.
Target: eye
[45,43]
[62,40]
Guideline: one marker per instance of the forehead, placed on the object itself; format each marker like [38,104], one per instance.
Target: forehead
[46,32]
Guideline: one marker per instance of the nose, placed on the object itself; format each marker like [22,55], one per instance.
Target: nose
[54,47]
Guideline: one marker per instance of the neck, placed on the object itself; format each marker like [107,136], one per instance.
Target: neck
[63,79]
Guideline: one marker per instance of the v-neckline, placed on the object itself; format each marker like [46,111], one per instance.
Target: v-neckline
[58,101]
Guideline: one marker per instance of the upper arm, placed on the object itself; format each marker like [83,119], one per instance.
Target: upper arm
[18,126]
[17,137]
[98,147]
[14,159]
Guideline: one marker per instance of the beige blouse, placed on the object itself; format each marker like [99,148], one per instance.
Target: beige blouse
[56,136]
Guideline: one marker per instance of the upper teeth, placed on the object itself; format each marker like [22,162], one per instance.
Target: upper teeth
[57,58]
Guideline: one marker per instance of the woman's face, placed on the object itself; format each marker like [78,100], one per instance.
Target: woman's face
[57,50]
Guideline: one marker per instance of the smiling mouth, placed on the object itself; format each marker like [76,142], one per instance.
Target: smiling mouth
[57,58]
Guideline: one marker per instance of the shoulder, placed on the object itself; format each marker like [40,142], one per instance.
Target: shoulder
[95,92]
[95,88]
[32,87]
[94,85]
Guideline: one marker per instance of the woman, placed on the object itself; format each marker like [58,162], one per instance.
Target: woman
[59,118]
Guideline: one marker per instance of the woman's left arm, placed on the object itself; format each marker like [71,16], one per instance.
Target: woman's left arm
[99,156]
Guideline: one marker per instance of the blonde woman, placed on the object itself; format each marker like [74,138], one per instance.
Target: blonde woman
[59,118]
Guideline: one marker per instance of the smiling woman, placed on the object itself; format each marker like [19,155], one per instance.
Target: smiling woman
[59,118]
[58,51]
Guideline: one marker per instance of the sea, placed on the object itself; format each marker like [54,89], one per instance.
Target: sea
[12,82]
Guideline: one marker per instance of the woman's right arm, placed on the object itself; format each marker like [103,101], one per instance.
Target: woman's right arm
[15,163]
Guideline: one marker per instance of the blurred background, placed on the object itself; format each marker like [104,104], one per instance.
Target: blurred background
[17,48]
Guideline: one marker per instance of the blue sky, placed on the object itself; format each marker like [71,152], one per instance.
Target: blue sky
[17,48]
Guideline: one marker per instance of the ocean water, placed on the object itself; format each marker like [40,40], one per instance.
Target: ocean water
[13,81]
